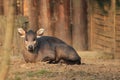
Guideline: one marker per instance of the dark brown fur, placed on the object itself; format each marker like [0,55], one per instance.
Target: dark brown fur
[53,50]
[48,49]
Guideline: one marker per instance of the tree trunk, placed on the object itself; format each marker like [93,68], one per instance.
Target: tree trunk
[25,8]
[30,10]
[62,27]
[5,7]
[44,17]
[79,30]
[7,46]
[1,7]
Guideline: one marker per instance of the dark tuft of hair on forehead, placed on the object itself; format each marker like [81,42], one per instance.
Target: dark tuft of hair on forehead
[30,32]
[30,35]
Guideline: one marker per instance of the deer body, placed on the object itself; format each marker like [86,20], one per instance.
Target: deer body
[48,49]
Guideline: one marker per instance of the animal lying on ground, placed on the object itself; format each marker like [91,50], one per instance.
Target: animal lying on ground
[46,48]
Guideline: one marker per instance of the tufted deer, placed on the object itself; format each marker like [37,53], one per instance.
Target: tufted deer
[46,48]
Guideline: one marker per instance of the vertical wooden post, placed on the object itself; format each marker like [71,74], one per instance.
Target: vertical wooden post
[25,8]
[90,25]
[5,7]
[44,18]
[30,10]
[1,7]
[113,15]
[79,31]
[62,27]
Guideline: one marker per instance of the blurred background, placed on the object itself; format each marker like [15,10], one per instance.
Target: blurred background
[90,26]
[87,25]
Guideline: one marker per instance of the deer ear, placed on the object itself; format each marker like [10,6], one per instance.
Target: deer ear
[21,32]
[40,32]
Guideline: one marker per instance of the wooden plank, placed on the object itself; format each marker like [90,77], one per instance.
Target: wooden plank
[104,26]
[117,21]
[117,33]
[102,45]
[118,13]
[98,9]
[117,55]
[118,46]
[90,27]
[104,42]
[98,19]
[103,38]
[98,16]
[117,49]
[100,23]
[117,38]
[99,13]
[117,28]
[106,50]
[117,17]
[98,47]
[99,28]
[104,33]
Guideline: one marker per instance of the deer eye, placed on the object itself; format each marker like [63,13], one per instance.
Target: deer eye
[26,39]
[34,39]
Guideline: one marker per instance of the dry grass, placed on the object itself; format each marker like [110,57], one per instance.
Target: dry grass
[92,69]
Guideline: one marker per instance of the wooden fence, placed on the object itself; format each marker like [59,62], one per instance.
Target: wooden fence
[104,28]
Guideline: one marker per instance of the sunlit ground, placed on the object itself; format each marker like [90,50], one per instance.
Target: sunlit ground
[91,69]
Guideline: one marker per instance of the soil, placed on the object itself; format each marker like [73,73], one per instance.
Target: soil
[90,69]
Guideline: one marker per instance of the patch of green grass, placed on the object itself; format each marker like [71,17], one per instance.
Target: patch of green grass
[17,78]
[37,73]
[43,71]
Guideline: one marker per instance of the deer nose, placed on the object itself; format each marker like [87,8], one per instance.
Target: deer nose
[30,47]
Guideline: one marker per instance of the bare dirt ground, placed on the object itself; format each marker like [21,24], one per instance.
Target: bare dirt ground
[91,69]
